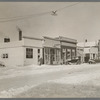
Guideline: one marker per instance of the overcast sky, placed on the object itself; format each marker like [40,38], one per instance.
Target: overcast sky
[78,22]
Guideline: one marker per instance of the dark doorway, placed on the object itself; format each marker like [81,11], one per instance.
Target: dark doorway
[52,56]
[87,57]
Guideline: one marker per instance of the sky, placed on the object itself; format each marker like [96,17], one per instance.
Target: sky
[80,21]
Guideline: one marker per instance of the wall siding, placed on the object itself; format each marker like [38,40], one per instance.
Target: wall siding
[34,60]
[15,56]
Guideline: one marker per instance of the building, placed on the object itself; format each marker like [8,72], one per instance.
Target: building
[51,51]
[68,48]
[80,53]
[90,50]
[28,50]
[20,53]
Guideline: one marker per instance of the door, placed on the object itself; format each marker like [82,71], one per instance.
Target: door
[52,56]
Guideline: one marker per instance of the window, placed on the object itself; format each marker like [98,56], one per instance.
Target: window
[29,53]
[38,57]
[68,54]
[63,50]
[6,39]
[38,50]
[5,55]
[73,53]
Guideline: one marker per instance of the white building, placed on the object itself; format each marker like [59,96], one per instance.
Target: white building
[68,48]
[51,51]
[80,53]
[90,50]
[19,53]
[28,50]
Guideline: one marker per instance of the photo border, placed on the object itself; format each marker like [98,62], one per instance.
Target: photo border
[49,1]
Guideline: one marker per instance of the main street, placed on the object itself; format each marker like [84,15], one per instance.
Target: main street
[50,81]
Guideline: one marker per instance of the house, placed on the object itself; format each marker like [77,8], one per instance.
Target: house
[90,50]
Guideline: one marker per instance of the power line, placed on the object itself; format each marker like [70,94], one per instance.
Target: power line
[68,6]
[25,16]
[33,15]
[22,17]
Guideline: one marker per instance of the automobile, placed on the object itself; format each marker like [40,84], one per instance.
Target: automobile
[73,61]
[91,61]
[2,64]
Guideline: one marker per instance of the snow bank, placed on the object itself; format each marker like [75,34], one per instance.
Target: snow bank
[78,78]
[13,92]
[36,69]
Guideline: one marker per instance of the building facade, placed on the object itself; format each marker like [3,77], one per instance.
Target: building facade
[68,48]
[51,51]
[90,50]
[80,53]
[21,53]
[28,50]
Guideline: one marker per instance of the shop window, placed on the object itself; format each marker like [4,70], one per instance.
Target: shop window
[29,53]
[46,50]
[93,56]
[73,53]
[63,50]
[68,54]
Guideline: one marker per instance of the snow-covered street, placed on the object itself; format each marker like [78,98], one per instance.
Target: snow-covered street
[50,81]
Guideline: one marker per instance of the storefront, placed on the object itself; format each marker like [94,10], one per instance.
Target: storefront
[68,48]
[51,51]
[51,55]
[67,53]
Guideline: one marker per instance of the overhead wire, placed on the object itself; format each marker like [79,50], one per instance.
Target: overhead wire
[68,6]
[22,17]
[15,18]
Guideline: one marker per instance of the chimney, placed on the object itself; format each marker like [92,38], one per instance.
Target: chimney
[85,40]
[20,33]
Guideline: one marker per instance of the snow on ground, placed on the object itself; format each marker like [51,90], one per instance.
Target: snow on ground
[30,70]
[78,79]
[75,78]
[12,92]
[36,69]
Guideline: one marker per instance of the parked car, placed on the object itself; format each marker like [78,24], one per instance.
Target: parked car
[73,61]
[2,64]
[91,61]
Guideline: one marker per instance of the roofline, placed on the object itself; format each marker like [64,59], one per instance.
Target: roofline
[50,38]
[67,38]
[32,38]
[68,41]
[60,38]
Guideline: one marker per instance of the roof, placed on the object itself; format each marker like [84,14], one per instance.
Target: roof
[27,37]
[50,38]
[87,44]
[65,39]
